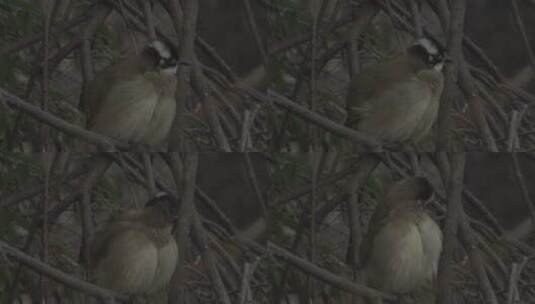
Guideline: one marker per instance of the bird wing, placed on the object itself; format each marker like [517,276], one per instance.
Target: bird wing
[125,259]
[167,258]
[122,117]
[98,247]
[391,101]
[379,218]
[126,110]
[431,242]
[396,114]
[435,81]
[367,85]
[394,262]
[97,88]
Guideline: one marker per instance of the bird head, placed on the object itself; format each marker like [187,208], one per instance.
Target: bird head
[162,56]
[161,210]
[411,189]
[429,52]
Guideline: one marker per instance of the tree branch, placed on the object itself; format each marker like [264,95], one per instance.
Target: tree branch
[58,275]
[105,143]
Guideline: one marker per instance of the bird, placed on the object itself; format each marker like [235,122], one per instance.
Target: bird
[401,251]
[135,252]
[133,101]
[397,101]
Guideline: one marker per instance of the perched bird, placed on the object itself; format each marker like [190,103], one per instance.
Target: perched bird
[401,251]
[133,101]
[397,101]
[135,253]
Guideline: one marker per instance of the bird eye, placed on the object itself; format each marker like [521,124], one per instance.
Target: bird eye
[435,59]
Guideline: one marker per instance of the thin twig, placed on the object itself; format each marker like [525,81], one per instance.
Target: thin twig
[367,164]
[28,191]
[523,187]
[513,140]
[449,95]
[149,173]
[47,159]
[362,17]
[245,293]
[281,46]
[87,36]
[254,26]
[522,29]
[326,276]
[149,20]
[307,189]
[245,140]
[453,215]
[514,277]
[317,119]
[185,183]
[251,174]
[47,8]
[52,216]
[476,260]
[210,259]
[58,275]
[35,38]
[186,29]
[106,144]
[416,18]
[99,166]
[313,134]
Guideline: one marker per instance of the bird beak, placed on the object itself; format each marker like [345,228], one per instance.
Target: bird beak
[428,202]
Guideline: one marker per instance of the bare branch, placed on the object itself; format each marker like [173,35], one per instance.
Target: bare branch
[326,276]
[58,275]
[453,218]
[314,118]
[106,144]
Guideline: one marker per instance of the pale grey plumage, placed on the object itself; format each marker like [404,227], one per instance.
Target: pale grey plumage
[401,251]
[133,100]
[398,100]
[135,253]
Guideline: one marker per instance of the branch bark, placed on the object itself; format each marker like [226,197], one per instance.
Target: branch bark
[453,218]
[326,276]
[58,275]
[186,183]
[186,29]
[369,143]
[368,163]
[454,29]
[105,143]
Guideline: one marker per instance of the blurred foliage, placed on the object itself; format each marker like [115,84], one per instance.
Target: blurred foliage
[18,18]
[16,169]
[106,46]
[284,18]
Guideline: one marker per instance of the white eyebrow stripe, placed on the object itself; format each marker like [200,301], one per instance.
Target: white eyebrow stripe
[428,45]
[439,66]
[161,49]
